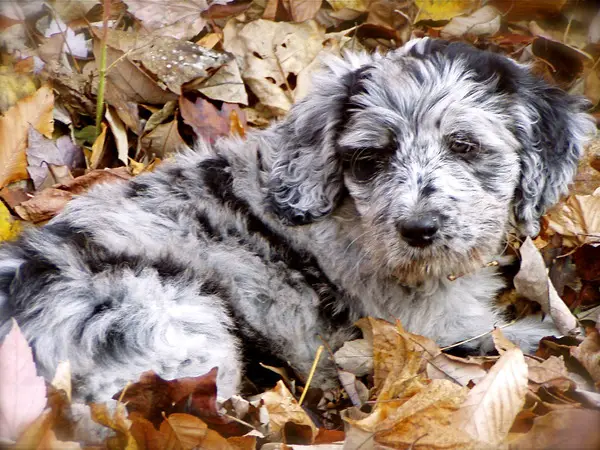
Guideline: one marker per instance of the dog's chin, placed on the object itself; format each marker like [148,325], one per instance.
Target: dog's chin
[424,266]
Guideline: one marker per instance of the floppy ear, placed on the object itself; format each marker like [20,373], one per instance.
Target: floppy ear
[305,182]
[552,128]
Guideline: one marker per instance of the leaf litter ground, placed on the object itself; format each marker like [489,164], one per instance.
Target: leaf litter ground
[187,68]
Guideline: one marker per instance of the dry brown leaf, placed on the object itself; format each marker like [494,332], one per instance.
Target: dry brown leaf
[422,415]
[182,432]
[440,10]
[180,19]
[115,420]
[577,220]
[35,110]
[484,21]
[226,85]
[131,81]
[283,408]
[533,283]
[566,429]
[397,354]
[528,9]
[492,405]
[501,342]
[588,354]
[302,10]
[548,373]
[209,122]
[461,372]
[163,140]
[356,357]
[271,54]
[49,202]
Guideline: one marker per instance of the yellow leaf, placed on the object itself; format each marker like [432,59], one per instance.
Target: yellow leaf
[443,9]
[356,5]
[9,228]
[34,110]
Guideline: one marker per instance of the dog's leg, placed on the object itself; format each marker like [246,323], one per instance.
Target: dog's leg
[113,322]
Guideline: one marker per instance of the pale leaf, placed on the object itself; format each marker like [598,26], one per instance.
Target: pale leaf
[577,219]
[22,391]
[484,21]
[283,408]
[356,357]
[492,405]
[117,127]
[443,367]
[62,378]
[533,283]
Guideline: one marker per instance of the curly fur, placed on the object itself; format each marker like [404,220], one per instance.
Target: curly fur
[288,237]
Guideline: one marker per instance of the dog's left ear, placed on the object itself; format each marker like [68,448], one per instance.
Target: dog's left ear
[553,128]
[305,182]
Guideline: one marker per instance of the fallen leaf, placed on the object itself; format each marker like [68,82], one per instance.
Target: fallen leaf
[163,140]
[567,429]
[565,63]
[43,152]
[492,405]
[356,357]
[62,378]
[357,391]
[49,202]
[501,342]
[588,354]
[548,373]
[182,432]
[34,110]
[436,10]
[484,21]
[119,132]
[13,87]
[455,369]
[226,85]
[206,120]
[180,19]
[302,10]
[576,220]
[99,148]
[528,9]
[271,55]
[284,408]
[126,77]
[356,5]
[533,283]
[422,415]
[115,420]
[9,227]
[22,391]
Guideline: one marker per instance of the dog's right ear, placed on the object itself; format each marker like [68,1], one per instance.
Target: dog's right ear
[305,182]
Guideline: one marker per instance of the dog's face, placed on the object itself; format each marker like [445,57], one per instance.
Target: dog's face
[438,146]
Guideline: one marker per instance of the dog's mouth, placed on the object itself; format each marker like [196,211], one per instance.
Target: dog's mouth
[430,264]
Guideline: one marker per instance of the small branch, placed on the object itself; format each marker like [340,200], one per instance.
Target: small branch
[311,374]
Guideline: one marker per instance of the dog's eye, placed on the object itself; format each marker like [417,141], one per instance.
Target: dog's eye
[365,164]
[462,146]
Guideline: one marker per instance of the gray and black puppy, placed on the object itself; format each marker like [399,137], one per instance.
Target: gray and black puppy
[393,173]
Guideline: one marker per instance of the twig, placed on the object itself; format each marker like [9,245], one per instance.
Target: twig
[235,419]
[311,374]
[478,336]
[102,67]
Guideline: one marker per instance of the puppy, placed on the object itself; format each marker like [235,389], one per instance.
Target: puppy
[393,173]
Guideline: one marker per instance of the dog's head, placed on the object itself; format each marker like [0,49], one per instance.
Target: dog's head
[438,145]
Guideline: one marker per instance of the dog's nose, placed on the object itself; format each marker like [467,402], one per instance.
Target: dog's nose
[421,231]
